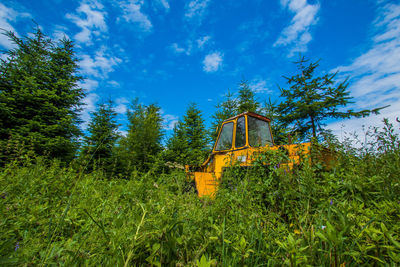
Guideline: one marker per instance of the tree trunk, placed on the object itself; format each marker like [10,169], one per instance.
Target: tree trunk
[314,133]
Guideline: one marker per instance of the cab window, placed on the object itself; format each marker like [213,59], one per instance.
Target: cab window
[240,132]
[225,138]
[259,133]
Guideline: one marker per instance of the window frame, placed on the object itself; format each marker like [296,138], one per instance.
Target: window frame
[245,132]
[269,128]
[219,136]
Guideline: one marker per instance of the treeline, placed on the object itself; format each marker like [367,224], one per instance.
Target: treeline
[40,103]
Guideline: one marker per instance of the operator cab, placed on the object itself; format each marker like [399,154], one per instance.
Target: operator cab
[244,130]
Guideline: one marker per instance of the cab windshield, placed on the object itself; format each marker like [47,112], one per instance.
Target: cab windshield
[225,138]
[259,132]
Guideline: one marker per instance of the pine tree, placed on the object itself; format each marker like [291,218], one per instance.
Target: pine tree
[103,135]
[39,96]
[246,100]
[142,145]
[311,99]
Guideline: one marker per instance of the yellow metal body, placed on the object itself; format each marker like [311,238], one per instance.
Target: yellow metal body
[208,176]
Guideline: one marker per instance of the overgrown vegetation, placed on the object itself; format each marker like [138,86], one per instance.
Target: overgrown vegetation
[115,202]
[348,215]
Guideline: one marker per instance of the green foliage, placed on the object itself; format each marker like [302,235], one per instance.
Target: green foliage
[246,99]
[311,99]
[141,147]
[263,215]
[188,144]
[103,134]
[279,130]
[39,96]
[232,106]
[225,110]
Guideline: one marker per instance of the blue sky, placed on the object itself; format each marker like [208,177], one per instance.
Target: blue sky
[174,52]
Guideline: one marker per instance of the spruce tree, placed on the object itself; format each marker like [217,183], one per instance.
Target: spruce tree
[311,99]
[225,110]
[188,144]
[279,131]
[246,100]
[103,135]
[176,147]
[40,98]
[141,147]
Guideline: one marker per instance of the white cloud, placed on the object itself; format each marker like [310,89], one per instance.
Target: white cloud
[59,33]
[212,62]
[121,105]
[100,65]
[178,49]
[90,106]
[165,4]
[114,84]
[202,41]
[7,16]
[89,85]
[191,45]
[375,75]
[196,10]
[297,33]
[91,20]
[259,85]
[132,13]
[169,121]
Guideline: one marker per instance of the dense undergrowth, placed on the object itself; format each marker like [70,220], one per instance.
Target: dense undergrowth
[346,216]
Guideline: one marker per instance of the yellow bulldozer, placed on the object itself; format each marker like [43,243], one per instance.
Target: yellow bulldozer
[240,140]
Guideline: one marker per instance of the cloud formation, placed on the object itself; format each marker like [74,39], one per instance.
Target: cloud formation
[90,106]
[169,121]
[132,13]
[121,105]
[375,74]
[164,4]
[7,16]
[259,85]
[195,10]
[99,65]
[297,34]
[212,62]
[90,17]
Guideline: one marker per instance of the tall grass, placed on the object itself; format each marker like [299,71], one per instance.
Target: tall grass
[346,216]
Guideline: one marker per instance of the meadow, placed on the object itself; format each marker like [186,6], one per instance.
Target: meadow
[349,215]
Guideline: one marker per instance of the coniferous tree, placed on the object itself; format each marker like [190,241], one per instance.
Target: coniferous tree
[141,147]
[232,106]
[39,96]
[225,110]
[279,131]
[246,100]
[176,147]
[188,144]
[311,99]
[103,135]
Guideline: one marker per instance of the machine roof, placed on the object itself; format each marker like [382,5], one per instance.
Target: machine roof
[252,114]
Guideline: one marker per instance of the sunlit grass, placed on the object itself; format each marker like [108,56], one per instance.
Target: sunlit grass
[349,215]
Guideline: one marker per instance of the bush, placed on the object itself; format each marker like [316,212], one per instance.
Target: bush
[348,215]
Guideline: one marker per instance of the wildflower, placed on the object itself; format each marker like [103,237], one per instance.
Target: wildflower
[17,246]
[323,227]
[3,195]
[297,232]
[331,202]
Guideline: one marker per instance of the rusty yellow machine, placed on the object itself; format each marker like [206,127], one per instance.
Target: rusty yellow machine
[240,140]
